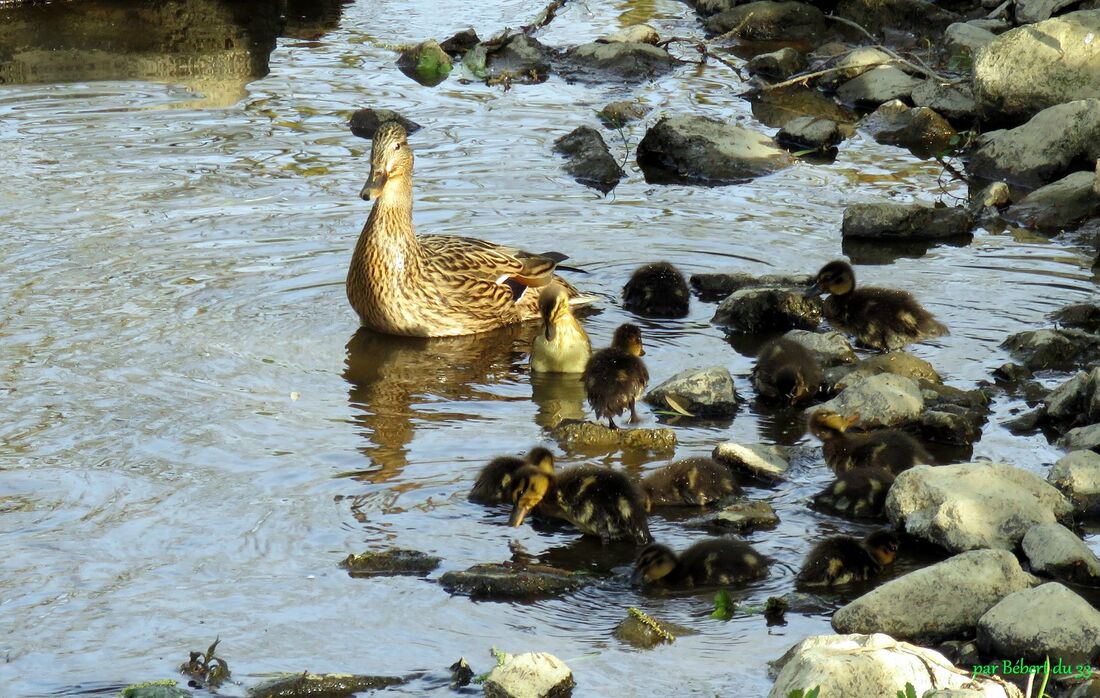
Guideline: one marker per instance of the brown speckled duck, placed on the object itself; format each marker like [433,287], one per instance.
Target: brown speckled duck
[786,372]
[844,559]
[710,562]
[616,377]
[692,482]
[889,449]
[433,285]
[494,482]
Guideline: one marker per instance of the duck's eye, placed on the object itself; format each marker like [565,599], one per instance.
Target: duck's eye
[397,146]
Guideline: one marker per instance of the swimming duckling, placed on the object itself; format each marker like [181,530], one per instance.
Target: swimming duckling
[890,449]
[615,377]
[879,318]
[599,501]
[710,562]
[786,371]
[561,346]
[845,559]
[657,290]
[494,482]
[692,482]
[858,493]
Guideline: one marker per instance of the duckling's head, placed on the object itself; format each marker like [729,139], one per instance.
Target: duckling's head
[655,562]
[529,486]
[542,459]
[657,289]
[883,546]
[628,338]
[826,424]
[792,384]
[836,277]
[553,305]
[390,159]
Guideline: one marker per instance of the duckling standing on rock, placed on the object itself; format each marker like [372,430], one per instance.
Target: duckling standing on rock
[561,346]
[657,290]
[494,482]
[889,449]
[786,371]
[598,501]
[844,559]
[879,318]
[711,562]
[616,377]
[693,482]
[858,493]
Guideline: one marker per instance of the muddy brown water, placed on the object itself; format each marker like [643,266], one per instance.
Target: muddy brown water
[194,434]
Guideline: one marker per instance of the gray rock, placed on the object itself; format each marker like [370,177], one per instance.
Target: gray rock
[506,581]
[937,602]
[460,42]
[830,348]
[919,129]
[876,86]
[1077,475]
[852,64]
[1059,349]
[899,363]
[718,285]
[632,62]
[1081,438]
[768,309]
[1055,551]
[530,675]
[970,506]
[779,65]
[619,114]
[809,133]
[1037,66]
[634,34]
[392,561]
[596,438]
[964,39]
[704,150]
[917,16]
[770,21]
[951,425]
[1032,11]
[706,392]
[882,400]
[743,516]
[364,122]
[589,160]
[1058,206]
[994,26]
[994,196]
[758,460]
[890,221]
[706,8]
[1084,316]
[1047,621]
[1075,402]
[520,57]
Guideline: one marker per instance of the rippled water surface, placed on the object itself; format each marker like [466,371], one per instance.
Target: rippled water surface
[194,435]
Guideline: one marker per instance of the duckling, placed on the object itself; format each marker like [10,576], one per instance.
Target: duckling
[615,377]
[562,345]
[710,562]
[599,501]
[879,318]
[845,559]
[786,371]
[890,449]
[692,482]
[493,485]
[657,290]
[858,493]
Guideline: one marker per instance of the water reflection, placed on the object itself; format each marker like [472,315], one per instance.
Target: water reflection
[559,396]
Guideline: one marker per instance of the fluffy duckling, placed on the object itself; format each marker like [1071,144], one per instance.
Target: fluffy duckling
[786,371]
[879,318]
[692,482]
[494,482]
[710,562]
[561,346]
[858,493]
[889,449]
[615,377]
[599,501]
[657,290]
[845,559]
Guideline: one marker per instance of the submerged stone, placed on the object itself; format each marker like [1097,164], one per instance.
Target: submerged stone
[632,62]
[643,631]
[307,684]
[495,582]
[699,149]
[589,436]
[393,561]
[891,221]
[589,160]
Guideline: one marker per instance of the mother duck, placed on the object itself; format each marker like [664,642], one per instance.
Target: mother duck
[434,285]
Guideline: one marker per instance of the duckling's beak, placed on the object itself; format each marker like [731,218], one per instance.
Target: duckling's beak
[813,291]
[373,188]
[550,332]
[637,577]
[518,514]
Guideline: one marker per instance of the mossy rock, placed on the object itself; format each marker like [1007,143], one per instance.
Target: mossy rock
[393,561]
[493,581]
[307,684]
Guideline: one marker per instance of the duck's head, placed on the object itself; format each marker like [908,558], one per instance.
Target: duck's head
[628,338]
[826,424]
[530,486]
[553,306]
[655,562]
[835,277]
[390,159]
[542,459]
[883,546]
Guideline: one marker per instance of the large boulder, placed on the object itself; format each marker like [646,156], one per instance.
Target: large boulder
[892,221]
[704,150]
[970,506]
[766,20]
[1077,475]
[1047,621]
[1058,206]
[707,392]
[589,160]
[625,61]
[1054,550]
[1031,68]
[881,400]
[767,309]
[938,602]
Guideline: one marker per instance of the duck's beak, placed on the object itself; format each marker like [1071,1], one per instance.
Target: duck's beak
[518,514]
[550,332]
[373,188]
[813,291]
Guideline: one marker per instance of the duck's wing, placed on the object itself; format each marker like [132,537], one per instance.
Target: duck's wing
[453,255]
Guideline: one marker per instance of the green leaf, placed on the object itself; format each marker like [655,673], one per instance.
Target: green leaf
[723,606]
[813,692]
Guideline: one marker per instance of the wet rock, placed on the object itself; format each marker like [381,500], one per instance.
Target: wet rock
[882,400]
[971,506]
[1034,67]
[530,675]
[1058,206]
[307,684]
[1047,621]
[632,62]
[917,607]
[876,86]
[873,665]
[1075,402]
[990,200]
[704,150]
[657,289]
[1081,438]
[1077,475]
[589,160]
[918,16]
[364,122]
[809,133]
[770,21]
[427,63]
[920,129]
[1083,316]
[951,425]
[706,8]
[587,436]
[1055,551]
[393,561]
[491,581]
[963,39]
[1032,11]
[778,65]
[852,64]
[953,101]
[830,348]
[155,689]
[719,285]
[1060,349]
[516,58]
[634,34]
[758,460]
[890,221]
[776,108]
[645,632]
[898,363]
[707,393]
[744,515]
[460,42]
[619,114]
[759,310]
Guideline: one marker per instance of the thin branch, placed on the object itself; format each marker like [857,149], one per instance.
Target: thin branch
[545,17]
[816,74]
[701,47]
[928,72]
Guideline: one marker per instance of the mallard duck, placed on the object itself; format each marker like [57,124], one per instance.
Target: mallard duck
[598,501]
[879,318]
[846,559]
[657,290]
[561,346]
[710,562]
[889,449]
[615,377]
[494,482]
[857,493]
[433,285]
[693,482]
[786,371]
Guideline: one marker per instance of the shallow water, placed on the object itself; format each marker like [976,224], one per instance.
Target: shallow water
[194,434]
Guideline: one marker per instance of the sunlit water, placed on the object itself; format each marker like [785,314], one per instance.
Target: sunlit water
[193,436]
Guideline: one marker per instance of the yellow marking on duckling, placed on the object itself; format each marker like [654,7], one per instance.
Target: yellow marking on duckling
[839,487]
[625,508]
[836,565]
[750,559]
